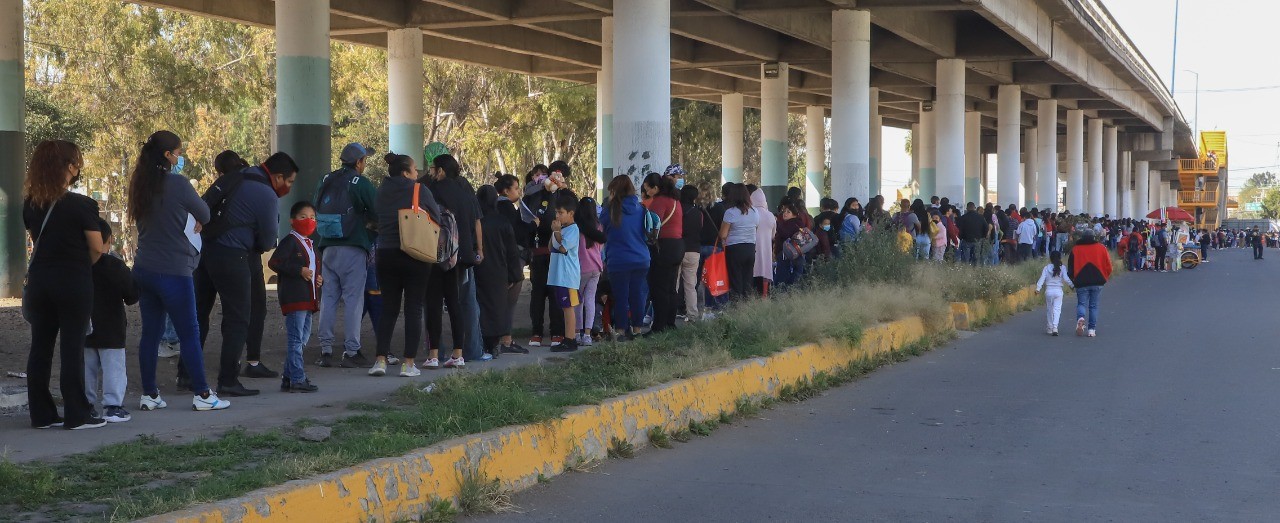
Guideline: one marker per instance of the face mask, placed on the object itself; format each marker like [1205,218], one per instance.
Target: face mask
[679,183]
[826,227]
[537,179]
[181,164]
[75,180]
[305,226]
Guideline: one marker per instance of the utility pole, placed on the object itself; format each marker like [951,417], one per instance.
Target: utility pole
[1173,77]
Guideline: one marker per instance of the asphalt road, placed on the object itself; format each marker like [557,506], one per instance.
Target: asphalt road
[1168,415]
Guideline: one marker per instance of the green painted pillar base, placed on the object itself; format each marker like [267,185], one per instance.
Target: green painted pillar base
[311,147]
[13,259]
[774,194]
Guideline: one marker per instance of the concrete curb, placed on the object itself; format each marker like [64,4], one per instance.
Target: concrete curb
[402,487]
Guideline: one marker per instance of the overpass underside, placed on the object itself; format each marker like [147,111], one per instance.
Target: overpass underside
[1023,79]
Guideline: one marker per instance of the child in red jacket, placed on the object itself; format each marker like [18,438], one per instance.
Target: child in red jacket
[298,283]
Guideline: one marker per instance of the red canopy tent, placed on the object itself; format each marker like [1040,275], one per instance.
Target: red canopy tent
[1173,214]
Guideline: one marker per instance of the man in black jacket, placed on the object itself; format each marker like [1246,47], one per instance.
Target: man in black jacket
[973,228]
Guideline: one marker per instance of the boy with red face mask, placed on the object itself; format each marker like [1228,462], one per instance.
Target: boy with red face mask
[298,283]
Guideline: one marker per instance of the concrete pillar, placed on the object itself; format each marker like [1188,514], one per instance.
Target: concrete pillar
[874,178]
[1155,192]
[13,240]
[928,155]
[1124,206]
[642,87]
[773,134]
[404,99]
[731,137]
[850,104]
[1142,189]
[1109,137]
[1031,167]
[1095,198]
[949,111]
[303,112]
[1047,154]
[1075,162]
[815,158]
[604,108]
[972,157]
[1008,148]
[915,154]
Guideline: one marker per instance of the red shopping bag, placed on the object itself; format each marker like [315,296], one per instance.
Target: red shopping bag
[715,273]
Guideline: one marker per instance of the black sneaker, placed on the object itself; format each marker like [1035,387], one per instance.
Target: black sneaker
[57,422]
[568,345]
[355,362]
[326,360]
[237,390]
[514,348]
[303,386]
[284,384]
[93,413]
[91,423]
[116,414]
[258,371]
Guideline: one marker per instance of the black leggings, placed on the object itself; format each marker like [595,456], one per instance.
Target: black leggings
[539,298]
[59,305]
[740,259]
[402,278]
[443,286]
[664,272]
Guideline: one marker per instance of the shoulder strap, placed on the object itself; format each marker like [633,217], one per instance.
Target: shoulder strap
[414,204]
[669,215]
[36,244]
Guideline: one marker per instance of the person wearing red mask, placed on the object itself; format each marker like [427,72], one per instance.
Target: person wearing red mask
[243,226]
[298,272]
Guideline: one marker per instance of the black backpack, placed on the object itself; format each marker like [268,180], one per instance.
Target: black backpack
[1134,244]
[218,198]
[335,214]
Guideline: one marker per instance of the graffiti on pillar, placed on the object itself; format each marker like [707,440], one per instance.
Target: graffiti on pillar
[639,165]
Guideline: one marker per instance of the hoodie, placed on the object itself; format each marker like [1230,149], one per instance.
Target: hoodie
[626,248]
[1089,264]
[764,236]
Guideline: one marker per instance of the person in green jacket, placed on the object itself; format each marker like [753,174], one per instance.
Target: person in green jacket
[346,224]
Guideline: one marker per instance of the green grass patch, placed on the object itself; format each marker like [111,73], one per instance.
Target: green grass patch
[872,283]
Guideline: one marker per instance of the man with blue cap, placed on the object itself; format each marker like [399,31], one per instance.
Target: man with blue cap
[345,219]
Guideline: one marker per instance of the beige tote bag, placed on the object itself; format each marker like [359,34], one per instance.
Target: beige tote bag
[419,234]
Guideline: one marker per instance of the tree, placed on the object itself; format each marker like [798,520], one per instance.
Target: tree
[1254,190]
[1271,204]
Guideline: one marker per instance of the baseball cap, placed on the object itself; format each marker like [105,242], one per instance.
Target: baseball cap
[354,152]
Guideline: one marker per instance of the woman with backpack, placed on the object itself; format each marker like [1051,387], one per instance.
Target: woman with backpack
[626,256]
[460,212]
[664,201]
[851,219]
[403,279]
[788,245]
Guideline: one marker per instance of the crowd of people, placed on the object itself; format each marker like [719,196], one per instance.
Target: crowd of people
[649,257]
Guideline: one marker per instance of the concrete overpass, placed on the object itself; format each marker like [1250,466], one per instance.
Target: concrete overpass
[1024,79]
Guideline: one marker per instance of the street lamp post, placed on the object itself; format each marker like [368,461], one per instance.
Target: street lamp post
[1197,110]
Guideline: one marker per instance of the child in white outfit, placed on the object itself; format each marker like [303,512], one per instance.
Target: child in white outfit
[1052,278]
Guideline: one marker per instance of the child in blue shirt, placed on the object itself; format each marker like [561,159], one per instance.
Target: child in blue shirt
[565,273]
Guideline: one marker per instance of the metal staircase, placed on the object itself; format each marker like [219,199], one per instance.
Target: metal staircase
[1203,181]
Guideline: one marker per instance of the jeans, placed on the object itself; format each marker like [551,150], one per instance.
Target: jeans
[585,312]
[372,292]
[628,298]
[176,296]
[539,298]
[404,281]
[1087,299]
[921,251]
[105,367]
[994,256]
[788,271]
[1160,253]
[345,269]
[297,327]
[1257,251]
[228,271]
[1061,244]
[473,348]
[969,252]
[170,335]
[60,307]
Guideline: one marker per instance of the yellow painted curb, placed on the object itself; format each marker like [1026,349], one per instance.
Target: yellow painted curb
[402,487]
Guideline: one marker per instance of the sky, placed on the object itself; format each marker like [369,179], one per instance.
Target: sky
[1229,43]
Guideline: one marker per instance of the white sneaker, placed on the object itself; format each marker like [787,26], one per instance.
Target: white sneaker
[1080,327]
[409,371]
[392,360]
[379,368]
[210,403]
[1092,333]
[169,350]
[708,316]
[431,364]
[453,363]
[150,403]
[586,340]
